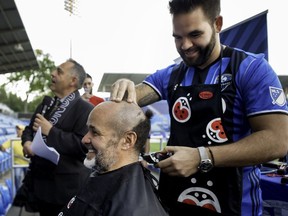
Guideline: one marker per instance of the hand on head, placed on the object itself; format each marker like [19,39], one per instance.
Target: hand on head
[123,89]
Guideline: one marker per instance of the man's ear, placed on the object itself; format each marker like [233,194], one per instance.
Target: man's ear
[130,138]
[73,81]
[218,23]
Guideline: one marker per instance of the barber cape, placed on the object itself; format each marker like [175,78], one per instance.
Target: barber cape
[126,191]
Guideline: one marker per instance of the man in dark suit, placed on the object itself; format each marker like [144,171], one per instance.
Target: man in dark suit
[63,126]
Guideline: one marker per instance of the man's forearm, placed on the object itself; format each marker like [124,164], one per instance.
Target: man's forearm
[27,135]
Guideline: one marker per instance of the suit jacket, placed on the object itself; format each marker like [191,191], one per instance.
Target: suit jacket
[58,183]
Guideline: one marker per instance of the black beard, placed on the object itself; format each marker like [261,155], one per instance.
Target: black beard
[204,54]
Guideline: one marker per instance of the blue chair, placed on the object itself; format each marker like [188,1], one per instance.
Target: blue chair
[5,193]
[2,163]
[7,161]
[8,182]
[2,207]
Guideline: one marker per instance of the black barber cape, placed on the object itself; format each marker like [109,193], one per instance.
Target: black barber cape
[126,191]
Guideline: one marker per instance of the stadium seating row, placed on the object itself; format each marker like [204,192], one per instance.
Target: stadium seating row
[6,197]
[5,162]
[7,132]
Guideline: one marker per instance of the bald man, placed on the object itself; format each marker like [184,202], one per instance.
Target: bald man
[120,185]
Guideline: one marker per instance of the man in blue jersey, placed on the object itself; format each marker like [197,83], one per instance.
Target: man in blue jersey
[228,114]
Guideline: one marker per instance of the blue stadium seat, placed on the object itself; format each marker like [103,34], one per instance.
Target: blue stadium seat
[2,207]
[8,182]
[2,164]
[7,162]
[2,131]
[3,139]
[5,193]
[10,130]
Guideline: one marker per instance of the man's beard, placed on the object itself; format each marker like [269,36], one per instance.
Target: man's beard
[204,54]
[104,160]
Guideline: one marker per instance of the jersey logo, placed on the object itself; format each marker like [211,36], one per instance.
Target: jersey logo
[226,80]
[277,96]
[181,110]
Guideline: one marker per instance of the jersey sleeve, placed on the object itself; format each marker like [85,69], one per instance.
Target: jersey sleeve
[260,87]
[159,81]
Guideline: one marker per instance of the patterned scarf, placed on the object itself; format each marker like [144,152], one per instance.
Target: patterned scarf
[60,110]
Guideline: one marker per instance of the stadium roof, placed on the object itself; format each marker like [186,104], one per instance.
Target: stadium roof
[16,53]
[109,78]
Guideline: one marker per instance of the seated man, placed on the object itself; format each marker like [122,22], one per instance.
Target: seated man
[120,185]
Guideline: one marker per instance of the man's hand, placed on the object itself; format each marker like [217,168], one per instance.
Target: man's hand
[86,96]
[184,161]
[122,87]
[42,122]
[27,151]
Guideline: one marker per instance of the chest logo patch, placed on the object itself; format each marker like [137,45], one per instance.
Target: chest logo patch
[226,80]
[277,95]
[205,95]
[181,110]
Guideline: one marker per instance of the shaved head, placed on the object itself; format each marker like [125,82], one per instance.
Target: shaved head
[121,117]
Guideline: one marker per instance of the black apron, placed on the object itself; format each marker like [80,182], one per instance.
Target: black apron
[197,120]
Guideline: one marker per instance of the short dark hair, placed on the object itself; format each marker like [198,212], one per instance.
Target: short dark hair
[79,71]
[211,8]
[88,76]
[142,130]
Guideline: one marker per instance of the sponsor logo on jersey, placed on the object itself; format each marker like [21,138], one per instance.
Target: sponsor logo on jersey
[205,95]
[226,80]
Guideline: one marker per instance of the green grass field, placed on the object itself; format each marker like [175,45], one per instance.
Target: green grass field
[156,146]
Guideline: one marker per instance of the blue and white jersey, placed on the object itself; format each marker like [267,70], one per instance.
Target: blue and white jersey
[249,87]
[258,89]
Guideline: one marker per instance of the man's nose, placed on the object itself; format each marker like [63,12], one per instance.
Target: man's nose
[186,44]
[86,140]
